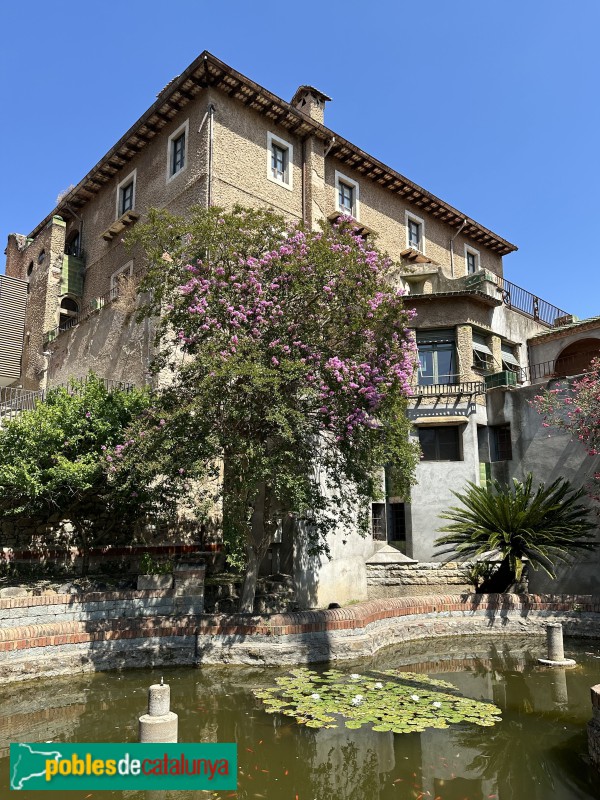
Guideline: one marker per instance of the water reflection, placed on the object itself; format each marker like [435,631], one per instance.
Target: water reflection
[537,752]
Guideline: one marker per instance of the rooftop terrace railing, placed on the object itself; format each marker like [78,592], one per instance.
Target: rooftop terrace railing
[520,299]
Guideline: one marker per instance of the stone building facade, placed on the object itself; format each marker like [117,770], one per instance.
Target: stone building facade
[215,137]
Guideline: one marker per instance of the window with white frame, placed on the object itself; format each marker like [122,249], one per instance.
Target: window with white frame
[346,195]
[117,277]
[280,156]
[126,194]
[472,259]
[415,232]
[177,151]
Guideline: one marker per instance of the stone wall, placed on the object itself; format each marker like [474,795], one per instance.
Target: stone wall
[406,580]
[60,634]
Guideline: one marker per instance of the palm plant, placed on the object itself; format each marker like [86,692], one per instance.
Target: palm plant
[515,523]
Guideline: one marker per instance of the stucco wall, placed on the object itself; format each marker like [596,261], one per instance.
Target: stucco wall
[549,454]
[549,349]
[436,480]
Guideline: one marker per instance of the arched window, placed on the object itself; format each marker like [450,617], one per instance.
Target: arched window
[69,310]
[73,245]
[576,358]
[30,268]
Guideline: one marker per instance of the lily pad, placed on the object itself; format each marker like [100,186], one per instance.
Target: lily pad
[397,701]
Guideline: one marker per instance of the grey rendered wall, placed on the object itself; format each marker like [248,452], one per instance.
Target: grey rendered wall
[549,454]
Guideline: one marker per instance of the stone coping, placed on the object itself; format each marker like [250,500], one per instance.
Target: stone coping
[274,626]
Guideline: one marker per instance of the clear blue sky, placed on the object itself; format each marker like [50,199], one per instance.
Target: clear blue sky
[490,104]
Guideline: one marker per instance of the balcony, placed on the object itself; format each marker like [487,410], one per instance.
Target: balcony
[561,367]
[452,387]
[13,300]
[426,280]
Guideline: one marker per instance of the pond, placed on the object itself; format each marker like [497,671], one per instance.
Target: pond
[538,751]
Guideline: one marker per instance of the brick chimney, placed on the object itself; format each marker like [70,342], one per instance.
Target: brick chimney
[311,102]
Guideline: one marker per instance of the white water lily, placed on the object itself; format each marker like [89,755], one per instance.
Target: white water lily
[357,700]
[415,697]
[355,676]
[436,704]
[378,685]
[315,696]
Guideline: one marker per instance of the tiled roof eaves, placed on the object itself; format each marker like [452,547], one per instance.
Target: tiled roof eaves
[207,71]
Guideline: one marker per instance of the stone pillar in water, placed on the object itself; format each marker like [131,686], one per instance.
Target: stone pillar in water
[556,652]
[160,723]
[594,728]
[560,694]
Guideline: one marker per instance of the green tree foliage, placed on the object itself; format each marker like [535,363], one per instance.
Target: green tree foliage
[56,463]
[516,522]
[289,363]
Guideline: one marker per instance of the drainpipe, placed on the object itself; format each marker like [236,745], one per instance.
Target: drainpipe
[304,204]
[464,222]
[211,116]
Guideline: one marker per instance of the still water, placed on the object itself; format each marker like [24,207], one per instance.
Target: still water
[537,752]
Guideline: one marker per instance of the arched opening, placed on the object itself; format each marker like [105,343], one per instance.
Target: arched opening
[73,245]
[69,310]
[30,268]
[576,358]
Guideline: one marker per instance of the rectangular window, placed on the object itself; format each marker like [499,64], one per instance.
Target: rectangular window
[483,358]
[178,154]
[509,362]
[126,198]
[440,444]
[397,523]
[414,234]
[126,194]
[378,522]
[116,278]
[437,357]
[346,198]
[501,449]
[177,145]
[472,259]
[347,195]
[279,161]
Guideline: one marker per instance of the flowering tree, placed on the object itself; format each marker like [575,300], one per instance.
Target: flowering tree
[290,365]
[574,406]
[56,464]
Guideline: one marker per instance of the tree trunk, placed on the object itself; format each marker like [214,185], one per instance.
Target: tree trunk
[501,581]
[260,536]
[250,580]
[85,549]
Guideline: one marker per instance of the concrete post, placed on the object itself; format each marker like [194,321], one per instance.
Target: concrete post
[556,652]
[594,727]
[160,723]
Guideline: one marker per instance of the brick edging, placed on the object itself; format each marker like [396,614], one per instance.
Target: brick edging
[174,634]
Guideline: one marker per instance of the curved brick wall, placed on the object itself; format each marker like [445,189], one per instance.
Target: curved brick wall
[62,634]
